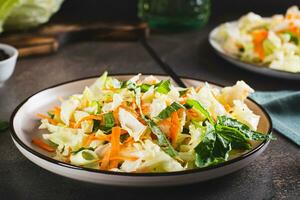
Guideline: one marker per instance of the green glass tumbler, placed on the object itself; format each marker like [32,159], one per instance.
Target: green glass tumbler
[174,14]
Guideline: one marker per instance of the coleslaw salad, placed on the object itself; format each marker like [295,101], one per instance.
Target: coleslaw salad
[273,42]
[149,125]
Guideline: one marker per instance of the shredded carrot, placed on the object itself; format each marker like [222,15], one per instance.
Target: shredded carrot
[52,121]
[227,107]
[42,145]
[145,108]
[90,117]
[293,28]
[165,122]
[57,112]
[199,88]
[92,137]
[175,125]
[115,145]
[116,115]
[259,36]
[88,140]
[124,158]
[102,137]
[183,101]
[105,161]
[192,113]
[115,140]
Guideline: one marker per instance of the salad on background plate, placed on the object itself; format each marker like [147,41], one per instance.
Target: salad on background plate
[150,125]
[272,42]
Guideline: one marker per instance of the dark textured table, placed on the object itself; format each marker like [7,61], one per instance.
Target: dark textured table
[274,175]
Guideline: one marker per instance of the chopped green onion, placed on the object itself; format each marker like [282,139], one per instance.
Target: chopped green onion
[166,113]
[144,87]
[82,148]
[163,87]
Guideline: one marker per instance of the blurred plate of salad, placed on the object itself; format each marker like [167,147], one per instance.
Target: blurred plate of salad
[25,14]
[268,45]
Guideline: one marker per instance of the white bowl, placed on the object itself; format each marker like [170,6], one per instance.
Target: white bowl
[24,126]
[7,66]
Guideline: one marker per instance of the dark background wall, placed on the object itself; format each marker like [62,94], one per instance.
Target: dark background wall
[121,10]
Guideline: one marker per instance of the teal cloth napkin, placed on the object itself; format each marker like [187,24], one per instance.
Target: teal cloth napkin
[284,110]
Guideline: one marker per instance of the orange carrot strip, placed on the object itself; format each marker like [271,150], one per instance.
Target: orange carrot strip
[124,158]
[258,37]
[90,117]
[192,113]
[115,145]
[88,140]
[146,108]
[42,145]
[174,127]
[165,122]
[115,140]
[72,124]
[57,111]
[105,160]
[47,117]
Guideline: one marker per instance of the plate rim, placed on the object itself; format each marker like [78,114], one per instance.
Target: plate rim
[261,69]
[130,174]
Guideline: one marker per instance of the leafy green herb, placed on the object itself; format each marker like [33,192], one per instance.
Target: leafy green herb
[212,149]
[82,148]
[226,135]
[238,139]
[163,87]
[191,103]
[3,126]
[163,142]
[166,113]
[243,129]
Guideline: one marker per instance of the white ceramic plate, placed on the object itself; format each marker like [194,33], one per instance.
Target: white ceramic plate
[24,126]
[246,65]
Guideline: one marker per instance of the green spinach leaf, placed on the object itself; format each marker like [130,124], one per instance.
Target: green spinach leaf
[163,142]
[243,129]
